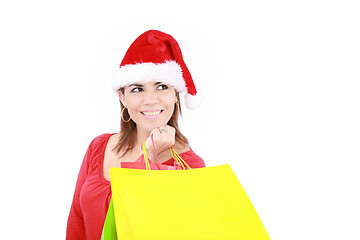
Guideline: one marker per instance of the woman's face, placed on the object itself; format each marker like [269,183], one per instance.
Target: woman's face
[149,104]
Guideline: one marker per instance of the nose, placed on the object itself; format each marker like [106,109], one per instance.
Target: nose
[150,98]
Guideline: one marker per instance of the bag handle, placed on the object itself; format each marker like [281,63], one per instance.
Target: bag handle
[178,159]
[174,154]
[157,158]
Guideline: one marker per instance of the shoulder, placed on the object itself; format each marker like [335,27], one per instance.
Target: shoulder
[194,160]
[99,141]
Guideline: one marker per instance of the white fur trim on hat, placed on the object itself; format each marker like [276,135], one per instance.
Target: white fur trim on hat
[192,101]
[168,72]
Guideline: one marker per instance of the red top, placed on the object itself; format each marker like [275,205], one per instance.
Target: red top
[93,193]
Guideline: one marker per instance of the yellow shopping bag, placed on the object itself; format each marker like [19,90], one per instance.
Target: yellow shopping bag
[204,203]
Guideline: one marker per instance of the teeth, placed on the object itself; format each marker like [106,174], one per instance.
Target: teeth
[151,113]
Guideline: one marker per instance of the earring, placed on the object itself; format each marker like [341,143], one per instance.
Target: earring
[122,115]
[176,107]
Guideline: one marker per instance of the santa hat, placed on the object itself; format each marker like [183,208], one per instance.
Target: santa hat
[156,56]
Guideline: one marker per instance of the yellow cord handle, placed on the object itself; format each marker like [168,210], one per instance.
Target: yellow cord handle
[174,154]
[178,159]
[147,164]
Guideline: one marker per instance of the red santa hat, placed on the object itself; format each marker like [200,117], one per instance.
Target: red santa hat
[156,56]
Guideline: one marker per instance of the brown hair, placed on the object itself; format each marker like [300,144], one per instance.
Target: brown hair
[127,137]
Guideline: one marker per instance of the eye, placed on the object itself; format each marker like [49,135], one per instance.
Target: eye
[162,87]
[137,89]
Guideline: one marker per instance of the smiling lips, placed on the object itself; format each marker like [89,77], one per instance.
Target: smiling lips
[151,114]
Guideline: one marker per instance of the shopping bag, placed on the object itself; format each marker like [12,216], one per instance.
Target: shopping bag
[109,228]
[157,166]
[139,165]
[203,204]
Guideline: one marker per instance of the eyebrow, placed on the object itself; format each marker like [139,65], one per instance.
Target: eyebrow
[136,85]
[140,85]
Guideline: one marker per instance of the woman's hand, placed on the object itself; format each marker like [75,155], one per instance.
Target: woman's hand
[164,138]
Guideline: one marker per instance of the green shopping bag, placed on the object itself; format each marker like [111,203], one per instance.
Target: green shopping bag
[109,229]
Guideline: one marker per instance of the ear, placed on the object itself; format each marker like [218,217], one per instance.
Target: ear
[122,98]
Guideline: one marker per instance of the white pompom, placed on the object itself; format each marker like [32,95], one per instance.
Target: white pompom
[192,102]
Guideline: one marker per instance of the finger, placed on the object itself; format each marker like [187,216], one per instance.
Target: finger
[170,129]
[155,132]
[163,129]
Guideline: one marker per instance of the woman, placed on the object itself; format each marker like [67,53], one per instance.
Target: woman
[148,83]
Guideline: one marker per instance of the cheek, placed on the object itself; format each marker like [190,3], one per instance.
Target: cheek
[169,102]
[132,105]
[169,97]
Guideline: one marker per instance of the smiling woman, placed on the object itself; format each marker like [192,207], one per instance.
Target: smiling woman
[148,83]
[147,106]
[147,100]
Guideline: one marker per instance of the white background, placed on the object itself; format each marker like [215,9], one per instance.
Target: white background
[279,79]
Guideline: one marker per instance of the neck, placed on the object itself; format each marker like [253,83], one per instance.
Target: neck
[141,136]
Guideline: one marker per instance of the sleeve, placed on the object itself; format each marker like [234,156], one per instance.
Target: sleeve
[75,226]
[194,160]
